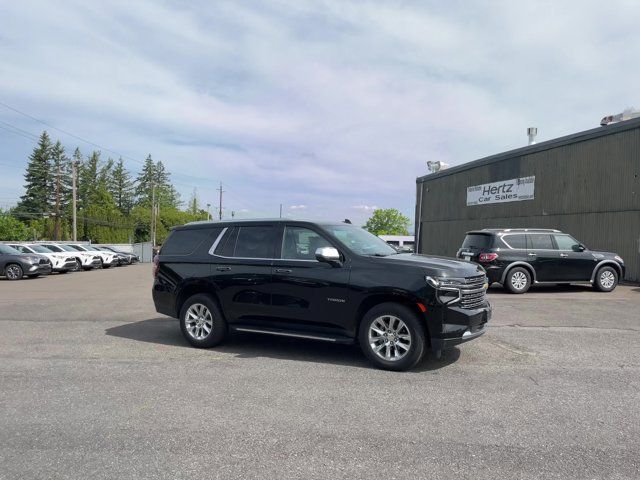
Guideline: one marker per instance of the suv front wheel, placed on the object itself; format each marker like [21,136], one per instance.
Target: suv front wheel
[606,279]
[518,280]
[201,322]
[392,337]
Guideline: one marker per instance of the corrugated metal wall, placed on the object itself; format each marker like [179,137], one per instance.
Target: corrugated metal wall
[589,188]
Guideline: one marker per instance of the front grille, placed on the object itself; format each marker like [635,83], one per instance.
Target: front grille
[44,261]
[473,294]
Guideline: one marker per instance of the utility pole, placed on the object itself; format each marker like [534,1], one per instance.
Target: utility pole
[153,214]
[280,210]
[208,211]
[56,228]
[74,166]
[220,204]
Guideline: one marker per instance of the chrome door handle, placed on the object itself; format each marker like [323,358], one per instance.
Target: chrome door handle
[282,270]
[223,269]
[564,255]
[533,254]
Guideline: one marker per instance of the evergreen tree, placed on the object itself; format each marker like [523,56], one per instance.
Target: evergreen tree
[37,196]
[194,204]
[60,186]
[145,181]
[121,188]
[166,194]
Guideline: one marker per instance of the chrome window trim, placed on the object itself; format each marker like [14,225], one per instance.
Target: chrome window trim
[217,241]
[511,235]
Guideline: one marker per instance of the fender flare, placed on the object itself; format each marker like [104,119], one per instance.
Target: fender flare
[604,263]
[519,264]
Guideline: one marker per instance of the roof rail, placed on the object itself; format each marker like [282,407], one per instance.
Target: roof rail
[552,230]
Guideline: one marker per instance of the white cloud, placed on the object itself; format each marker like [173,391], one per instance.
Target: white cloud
[330,103]
[298,207]
[366,208]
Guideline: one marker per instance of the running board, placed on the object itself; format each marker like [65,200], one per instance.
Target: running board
[286,333]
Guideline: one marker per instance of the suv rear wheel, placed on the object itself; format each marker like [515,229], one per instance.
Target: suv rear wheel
[201,322]
[518,280]
[606,279]
[392,337]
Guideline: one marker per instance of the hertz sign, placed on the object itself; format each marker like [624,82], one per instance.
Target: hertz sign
[513,190]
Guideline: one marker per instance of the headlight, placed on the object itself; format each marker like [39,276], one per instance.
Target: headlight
[618,258]
[447,289]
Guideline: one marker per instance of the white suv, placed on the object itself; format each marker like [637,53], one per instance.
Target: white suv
[86,260]
[60,262]
[107,258]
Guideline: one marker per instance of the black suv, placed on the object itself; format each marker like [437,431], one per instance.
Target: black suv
[324,281]
[518,257]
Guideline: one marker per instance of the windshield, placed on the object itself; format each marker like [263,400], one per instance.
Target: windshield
[360,241]
[53,248]
[39,249]
[64,248]
[8,249]
[78,248]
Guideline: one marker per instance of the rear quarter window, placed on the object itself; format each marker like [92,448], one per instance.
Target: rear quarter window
[477,240]
[187,241]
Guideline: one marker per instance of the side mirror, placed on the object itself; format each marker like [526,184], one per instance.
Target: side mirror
[578,248]
[329,255]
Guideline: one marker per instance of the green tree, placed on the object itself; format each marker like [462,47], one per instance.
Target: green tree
[37,197]
[121,188]
[145,181]
[155,175]
[388,221]
[60,186]
[194,204]
[13,229]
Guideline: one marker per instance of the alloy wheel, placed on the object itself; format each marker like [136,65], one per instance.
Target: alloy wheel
[198,321]
[607,279]
[389,338]
[13,272]
[519,280]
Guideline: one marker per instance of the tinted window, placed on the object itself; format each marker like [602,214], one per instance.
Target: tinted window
[566,242]
[185,242]
[227,245]
[477,240]
[515,241]
[539,241]
[255,242]
[301,243]
[8,249]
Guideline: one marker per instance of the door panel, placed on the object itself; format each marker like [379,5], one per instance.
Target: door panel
[543,256]
[305,291]
[575,266]
[243,284]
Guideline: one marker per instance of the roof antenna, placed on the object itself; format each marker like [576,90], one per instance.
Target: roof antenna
[346,220]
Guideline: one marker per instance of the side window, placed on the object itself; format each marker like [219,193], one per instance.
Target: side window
[255,242]
[300,243]
[565,242]
[515,241]
[185,241]
[541,242]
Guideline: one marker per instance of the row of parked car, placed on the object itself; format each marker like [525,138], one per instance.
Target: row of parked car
[20,260]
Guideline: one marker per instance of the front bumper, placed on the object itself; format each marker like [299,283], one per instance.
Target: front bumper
[460,325]
[38,269]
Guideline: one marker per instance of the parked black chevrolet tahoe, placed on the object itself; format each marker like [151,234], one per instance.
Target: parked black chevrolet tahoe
[518,257]
[324,281]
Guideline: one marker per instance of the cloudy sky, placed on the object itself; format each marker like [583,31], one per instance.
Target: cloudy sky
[331,108]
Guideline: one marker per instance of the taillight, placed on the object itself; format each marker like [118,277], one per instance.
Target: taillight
[487,257]
[156,264]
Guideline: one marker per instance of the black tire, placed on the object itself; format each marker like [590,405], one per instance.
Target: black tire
[412,324]
[13,271]
[63,271]
[606,279]
[217,323]
[518,280]
[33,276]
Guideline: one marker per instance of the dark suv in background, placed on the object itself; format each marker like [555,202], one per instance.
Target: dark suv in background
[520,257]
[332,282]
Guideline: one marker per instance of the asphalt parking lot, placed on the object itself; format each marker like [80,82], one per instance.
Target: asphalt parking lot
[95,384]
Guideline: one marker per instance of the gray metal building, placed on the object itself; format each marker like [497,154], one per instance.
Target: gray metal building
[586,184]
